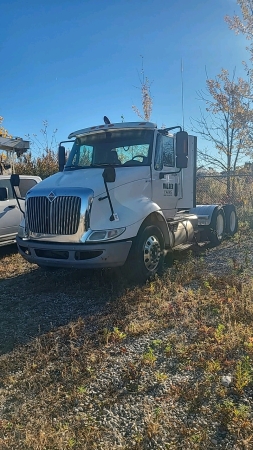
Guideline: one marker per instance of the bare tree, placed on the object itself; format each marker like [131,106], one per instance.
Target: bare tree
[226,123]
[44,143]
[45,146]
[147,101]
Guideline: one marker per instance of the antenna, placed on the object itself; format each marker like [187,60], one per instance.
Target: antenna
[182,93]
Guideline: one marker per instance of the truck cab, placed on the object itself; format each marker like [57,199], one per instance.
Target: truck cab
[125,194]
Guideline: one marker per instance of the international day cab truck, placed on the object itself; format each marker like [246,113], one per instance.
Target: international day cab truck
[125,196]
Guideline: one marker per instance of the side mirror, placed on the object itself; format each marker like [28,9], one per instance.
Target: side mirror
[15,180]
[181,150]
[109,174]
[3,194]
[61,158]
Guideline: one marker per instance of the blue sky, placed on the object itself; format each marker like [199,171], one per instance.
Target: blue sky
[72,62]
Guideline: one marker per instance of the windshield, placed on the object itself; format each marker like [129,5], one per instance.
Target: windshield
[117,148]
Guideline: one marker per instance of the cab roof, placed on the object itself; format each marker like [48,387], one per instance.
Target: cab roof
[112,126]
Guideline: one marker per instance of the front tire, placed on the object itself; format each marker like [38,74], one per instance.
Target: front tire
[148,253]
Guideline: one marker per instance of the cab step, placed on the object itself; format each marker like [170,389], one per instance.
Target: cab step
[183,247]
[193,245]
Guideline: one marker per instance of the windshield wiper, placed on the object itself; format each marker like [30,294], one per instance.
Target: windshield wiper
[73,167]
[105,165]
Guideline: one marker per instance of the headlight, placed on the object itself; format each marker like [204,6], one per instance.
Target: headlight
[105,235]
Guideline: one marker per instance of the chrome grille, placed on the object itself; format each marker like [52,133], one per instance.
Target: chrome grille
[60,216]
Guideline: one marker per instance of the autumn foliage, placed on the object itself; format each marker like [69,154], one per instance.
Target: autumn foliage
[226,122]
[3,131]
[146,99]
[45,146]
[42,166]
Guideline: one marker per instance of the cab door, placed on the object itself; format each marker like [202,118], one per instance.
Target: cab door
[166,186]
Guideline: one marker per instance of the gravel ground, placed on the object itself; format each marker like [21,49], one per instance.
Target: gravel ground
[138,394]
[231,255]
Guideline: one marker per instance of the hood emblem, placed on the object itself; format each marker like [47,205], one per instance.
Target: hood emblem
[51,197]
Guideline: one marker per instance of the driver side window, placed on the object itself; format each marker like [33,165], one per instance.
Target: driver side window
[165,153]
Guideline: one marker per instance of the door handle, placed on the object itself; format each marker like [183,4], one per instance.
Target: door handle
[11,206]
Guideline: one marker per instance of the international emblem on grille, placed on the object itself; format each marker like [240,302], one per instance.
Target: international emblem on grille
[51,197]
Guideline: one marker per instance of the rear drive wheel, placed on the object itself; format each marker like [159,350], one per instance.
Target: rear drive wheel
[231,220]
[217,227]
[148,253]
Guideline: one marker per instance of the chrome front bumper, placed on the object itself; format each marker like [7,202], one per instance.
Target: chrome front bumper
[90,256]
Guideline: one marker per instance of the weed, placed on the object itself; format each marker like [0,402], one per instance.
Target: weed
[82,389]
[219,333]
[161,377]
[117,335]
[168,350]
[243,373]
[156,343]
[148,357]
[71,443]
[113,336]
[232,416]
[152,423]
[137,327]
[206,285]
[213,366]
[249,345]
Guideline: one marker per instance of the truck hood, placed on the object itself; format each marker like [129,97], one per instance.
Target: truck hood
[90,179]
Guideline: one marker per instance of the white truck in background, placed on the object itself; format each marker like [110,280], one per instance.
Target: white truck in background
[10,206]
[10,213]
[125,196]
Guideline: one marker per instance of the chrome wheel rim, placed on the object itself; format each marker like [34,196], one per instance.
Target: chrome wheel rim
[151,253]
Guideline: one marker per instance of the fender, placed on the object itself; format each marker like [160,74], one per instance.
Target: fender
[204,213]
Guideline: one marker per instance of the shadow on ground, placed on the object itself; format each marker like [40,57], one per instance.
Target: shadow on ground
[7,250]
[34,303]
[38,301]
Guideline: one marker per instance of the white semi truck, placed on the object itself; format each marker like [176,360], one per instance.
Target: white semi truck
[125,196]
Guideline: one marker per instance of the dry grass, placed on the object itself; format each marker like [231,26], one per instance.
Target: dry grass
[61,331]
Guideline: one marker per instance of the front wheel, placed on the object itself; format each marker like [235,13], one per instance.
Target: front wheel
[148,253]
